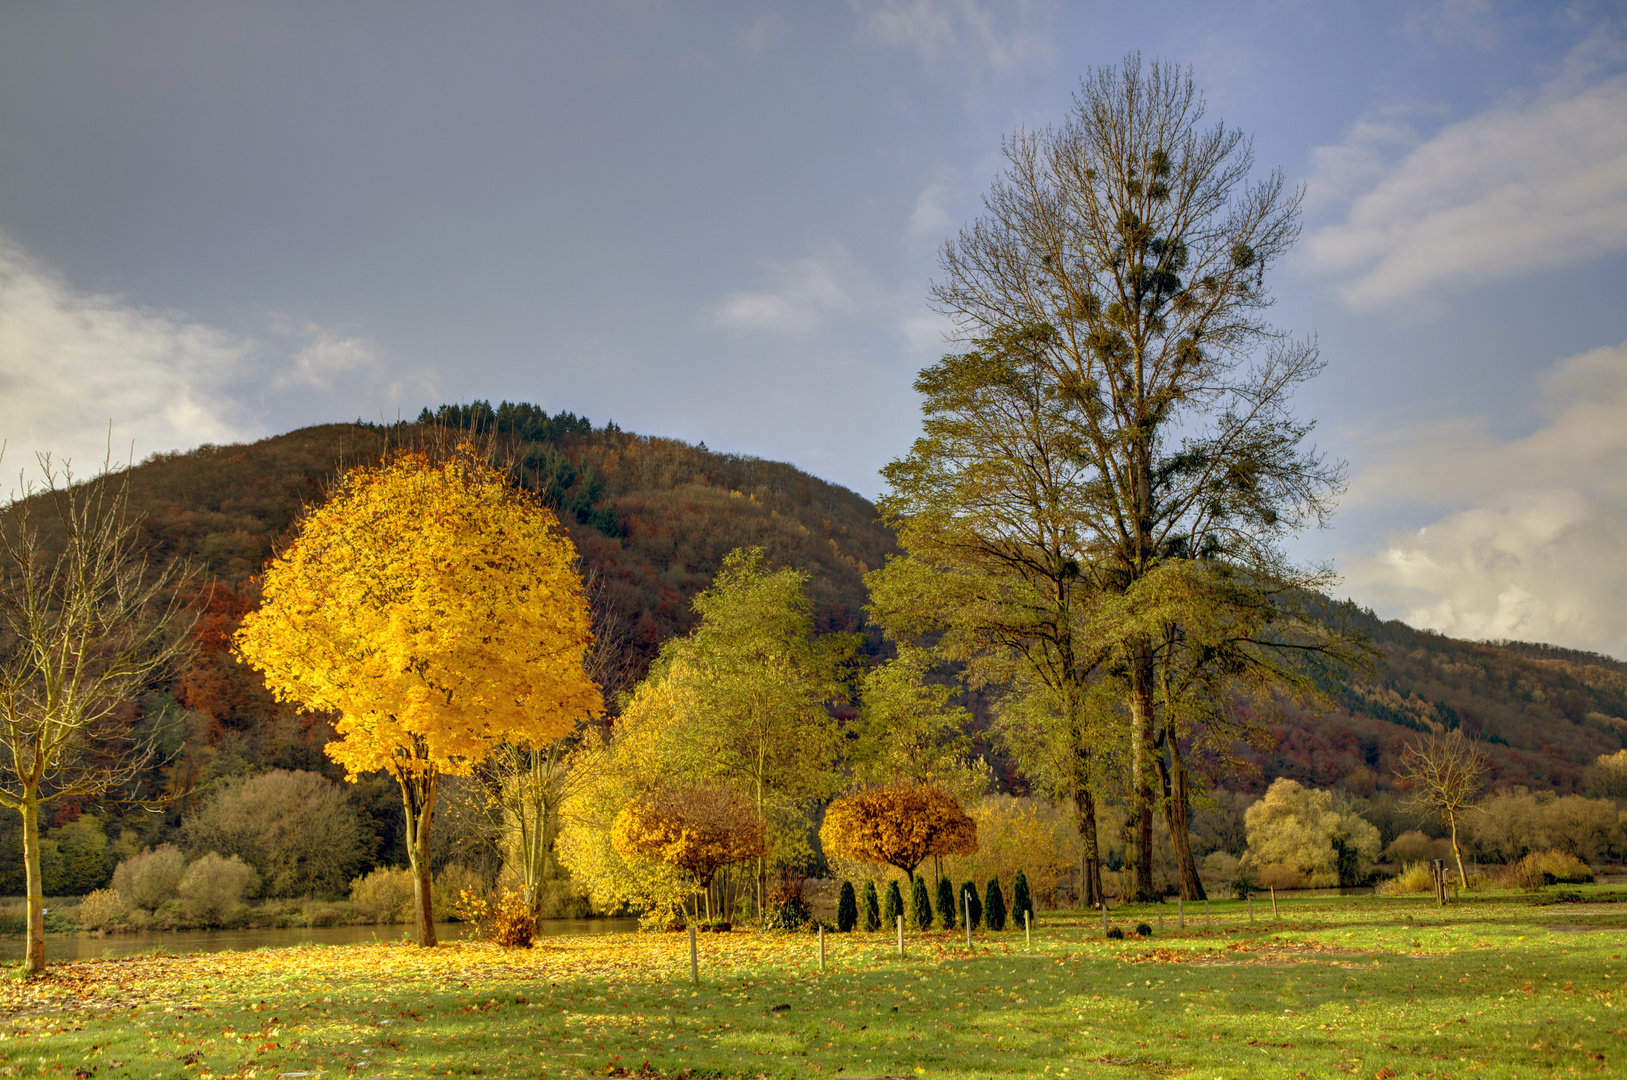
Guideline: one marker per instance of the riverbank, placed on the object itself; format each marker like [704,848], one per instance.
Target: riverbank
[1500,985]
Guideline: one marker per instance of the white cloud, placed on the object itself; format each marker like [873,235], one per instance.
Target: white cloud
[1523,187]
[764,32]
[1001,38]
[806,295]
[1451,21]
[75,366]
[1531,543]
[931,220]
[73,363]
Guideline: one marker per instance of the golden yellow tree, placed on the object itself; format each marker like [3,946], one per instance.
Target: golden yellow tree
[901,825]
[697,829]
[438,611]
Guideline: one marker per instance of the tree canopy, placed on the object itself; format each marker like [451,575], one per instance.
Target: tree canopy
[438,612]
[901,825]
[1123,415]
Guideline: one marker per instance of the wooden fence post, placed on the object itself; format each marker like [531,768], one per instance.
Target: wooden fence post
[694,960]
[966,897]
[821,948]
[901,936]
[1180,911]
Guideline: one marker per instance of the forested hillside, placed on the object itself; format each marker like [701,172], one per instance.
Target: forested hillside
[652,519]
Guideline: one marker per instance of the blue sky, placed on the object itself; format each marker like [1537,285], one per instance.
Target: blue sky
[719,222]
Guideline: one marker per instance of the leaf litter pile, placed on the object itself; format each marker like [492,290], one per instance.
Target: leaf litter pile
[1356,987]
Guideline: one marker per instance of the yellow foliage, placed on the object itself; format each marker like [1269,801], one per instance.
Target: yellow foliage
[901,825]
[696,829]
[504,920]
[1027,834]
[436,609]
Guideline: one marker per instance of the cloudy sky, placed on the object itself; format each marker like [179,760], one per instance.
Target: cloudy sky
[719,222]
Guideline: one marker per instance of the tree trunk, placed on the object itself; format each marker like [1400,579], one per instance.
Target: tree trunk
[1091,887]
[418,798]
[34,958]
[1463,879]
[1177,814]
[1141,755]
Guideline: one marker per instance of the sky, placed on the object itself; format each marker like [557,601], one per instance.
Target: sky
[719,222]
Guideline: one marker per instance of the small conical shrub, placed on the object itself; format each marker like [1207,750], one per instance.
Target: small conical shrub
[946,904]
[973,904]
[847,909]
[872,906]
[920,906]
[1021,901]
[894,906]
[994,905]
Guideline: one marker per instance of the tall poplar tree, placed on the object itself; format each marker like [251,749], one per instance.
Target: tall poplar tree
[756,683]
[1126,251]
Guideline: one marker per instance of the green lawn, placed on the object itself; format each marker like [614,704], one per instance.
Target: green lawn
[1498,986]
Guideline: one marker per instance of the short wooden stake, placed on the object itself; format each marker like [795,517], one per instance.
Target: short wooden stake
[1104,916]
[1160,914]
[694,960]
[901,936]
[1207,918]
[966,896]
[1028,931]
[1180,911]
[1273,889]
[1251,907]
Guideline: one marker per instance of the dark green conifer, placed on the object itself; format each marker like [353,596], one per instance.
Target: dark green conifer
[973,904]
[946,904]
[847,909]
[872,906]
[894,906]
[1021,901]
[994,905]
[920,906]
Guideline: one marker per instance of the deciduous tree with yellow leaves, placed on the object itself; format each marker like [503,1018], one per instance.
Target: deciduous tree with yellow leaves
[901,825]
[439,612]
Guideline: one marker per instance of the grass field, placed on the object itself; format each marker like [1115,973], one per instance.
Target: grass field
[1505,985]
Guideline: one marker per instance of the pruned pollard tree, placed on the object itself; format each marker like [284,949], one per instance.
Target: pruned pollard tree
[1124,253]
[86,624]
[698,829]
[438,611]
[1444,773]
[901,825]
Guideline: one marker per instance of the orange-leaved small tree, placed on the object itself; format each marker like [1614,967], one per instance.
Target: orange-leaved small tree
[901,825]
[439,612]
[698,829]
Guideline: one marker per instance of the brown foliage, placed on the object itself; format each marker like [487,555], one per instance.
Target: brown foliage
[696,829]
[901,825]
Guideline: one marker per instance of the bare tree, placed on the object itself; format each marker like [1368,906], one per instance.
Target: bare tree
[1445,773]
[86,623]
[1126,250]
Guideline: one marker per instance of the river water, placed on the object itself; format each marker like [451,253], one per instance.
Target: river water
[85,946]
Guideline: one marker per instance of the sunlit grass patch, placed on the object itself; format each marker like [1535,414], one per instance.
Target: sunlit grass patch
[1495,986]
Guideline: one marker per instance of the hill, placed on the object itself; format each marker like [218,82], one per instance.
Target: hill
[652,517]
[1542,713]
